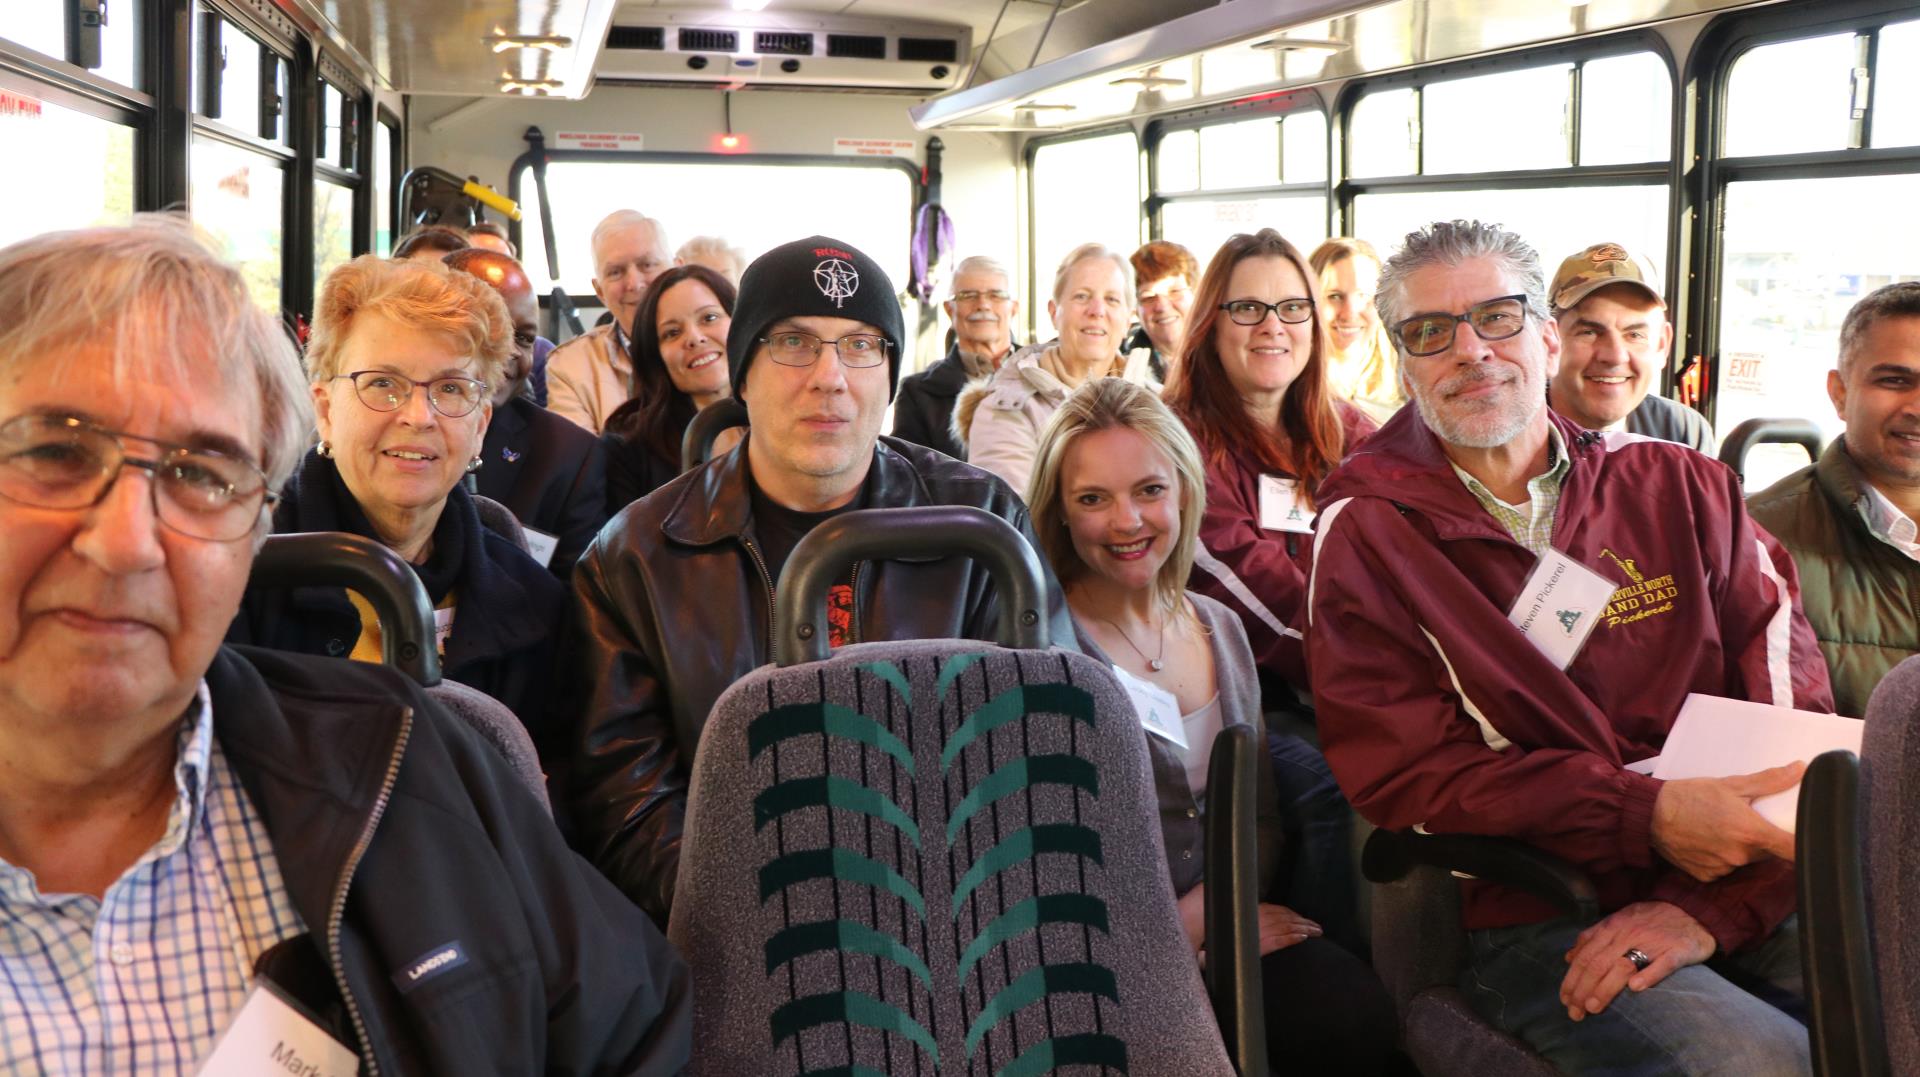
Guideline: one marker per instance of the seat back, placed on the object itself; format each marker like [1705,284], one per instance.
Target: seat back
[500,520]
[1733,451]
[932,857]
[1890,763]
[498,726]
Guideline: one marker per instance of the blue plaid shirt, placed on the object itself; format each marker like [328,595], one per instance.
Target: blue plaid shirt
[144,980]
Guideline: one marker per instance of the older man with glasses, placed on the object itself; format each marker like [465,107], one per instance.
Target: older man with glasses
[982,309]
[1504,613]
[191,834]
[674,599]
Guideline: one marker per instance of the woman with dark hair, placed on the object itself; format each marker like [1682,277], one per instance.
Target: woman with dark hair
[1252,385]
[679,367]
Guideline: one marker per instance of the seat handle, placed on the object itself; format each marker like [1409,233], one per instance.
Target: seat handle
[707,426]
[816,564]
[1733,451]
[337,559]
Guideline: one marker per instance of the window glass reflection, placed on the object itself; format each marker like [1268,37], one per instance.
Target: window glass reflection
[237,198]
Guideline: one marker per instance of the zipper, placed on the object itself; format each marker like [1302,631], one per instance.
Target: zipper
[766,578]
[338,912]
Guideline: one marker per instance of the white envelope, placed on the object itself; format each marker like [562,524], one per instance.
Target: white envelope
[1718,738]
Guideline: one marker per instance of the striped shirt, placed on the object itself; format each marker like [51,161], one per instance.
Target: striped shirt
[1531,525]
[143,980]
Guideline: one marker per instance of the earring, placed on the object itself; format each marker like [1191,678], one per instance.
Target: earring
[473,465]
[325,448]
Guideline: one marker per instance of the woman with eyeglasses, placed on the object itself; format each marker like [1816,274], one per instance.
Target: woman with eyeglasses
[1252,385]
[998,416]
[1361,364]
[400,362]
[679,369]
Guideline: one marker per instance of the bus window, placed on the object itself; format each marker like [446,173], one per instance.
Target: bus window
[1085,190]
[1556,220]
[332,227]
[237,197]
[752,204]
[1896,82]
[1624,105]
[96,160]
[333,107]
[42,25]
[1255,160]
[1497,123]
[385,142]
[1793,97]
[1382,139]
[1201,226]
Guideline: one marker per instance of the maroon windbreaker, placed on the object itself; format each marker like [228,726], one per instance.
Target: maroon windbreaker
[1437,712]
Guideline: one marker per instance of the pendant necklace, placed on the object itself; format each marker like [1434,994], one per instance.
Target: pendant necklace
[1155,664]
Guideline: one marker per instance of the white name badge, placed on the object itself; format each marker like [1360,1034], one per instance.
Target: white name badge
[1559,606]
[541,545]
[1159,711]
[271,1035]
[442,628]
[1281,508]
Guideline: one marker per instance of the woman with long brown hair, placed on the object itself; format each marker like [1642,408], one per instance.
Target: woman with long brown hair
[1252,385]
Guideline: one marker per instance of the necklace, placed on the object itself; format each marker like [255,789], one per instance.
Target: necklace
[1154,663]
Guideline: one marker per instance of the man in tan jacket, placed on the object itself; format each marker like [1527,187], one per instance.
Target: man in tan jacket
[589,376]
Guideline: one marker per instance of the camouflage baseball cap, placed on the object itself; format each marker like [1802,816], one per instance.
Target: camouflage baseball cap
[1595,268]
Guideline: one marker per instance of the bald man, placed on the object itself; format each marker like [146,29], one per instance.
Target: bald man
[550,472]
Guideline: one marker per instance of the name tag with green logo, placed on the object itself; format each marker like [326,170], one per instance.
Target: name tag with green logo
[1559,606]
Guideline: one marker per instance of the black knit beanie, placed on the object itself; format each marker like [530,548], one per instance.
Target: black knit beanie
[816,277]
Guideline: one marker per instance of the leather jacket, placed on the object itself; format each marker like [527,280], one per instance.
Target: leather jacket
[675,604]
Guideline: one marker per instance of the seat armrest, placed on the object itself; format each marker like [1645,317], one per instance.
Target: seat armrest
[1390,854]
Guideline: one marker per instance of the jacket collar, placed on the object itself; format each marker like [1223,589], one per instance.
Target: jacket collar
[716,504]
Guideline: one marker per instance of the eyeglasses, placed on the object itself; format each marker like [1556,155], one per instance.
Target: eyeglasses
[856,350]
[1431,334]
[993,296]
[454,398]
[56,462]
[1253,312]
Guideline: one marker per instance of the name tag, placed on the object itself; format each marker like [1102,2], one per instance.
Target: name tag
[1159,711]
[1559,606]
[442,628]
[272,1036]
[1281,508]
[541,545]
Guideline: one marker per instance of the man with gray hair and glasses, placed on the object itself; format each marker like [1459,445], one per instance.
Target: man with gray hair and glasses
[982,308]
[1505,613]
[191,834]
[1849,518]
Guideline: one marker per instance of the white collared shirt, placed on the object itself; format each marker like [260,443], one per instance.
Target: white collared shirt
[1888,523]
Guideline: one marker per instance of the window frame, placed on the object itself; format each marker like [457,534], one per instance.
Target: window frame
[519,179]
[1724,42]
[1279,106]
[1028,153]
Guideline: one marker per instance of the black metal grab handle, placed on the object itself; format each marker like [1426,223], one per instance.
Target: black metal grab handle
[712,420]
[337,559]
[1733,451]
[800,611]
[1232,972]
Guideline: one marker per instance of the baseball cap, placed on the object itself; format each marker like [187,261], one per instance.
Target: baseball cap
[1595,268]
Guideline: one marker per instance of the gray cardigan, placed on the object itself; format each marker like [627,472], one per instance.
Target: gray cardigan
[1180,814]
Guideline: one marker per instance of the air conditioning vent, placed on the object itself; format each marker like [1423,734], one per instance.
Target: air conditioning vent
[637,37]
[709,40]
[783,44]
[931,50]
[857,46]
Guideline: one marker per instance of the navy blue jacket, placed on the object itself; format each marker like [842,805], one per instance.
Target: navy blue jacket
[549,473]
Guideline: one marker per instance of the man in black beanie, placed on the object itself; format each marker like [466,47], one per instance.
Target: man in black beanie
[674,599]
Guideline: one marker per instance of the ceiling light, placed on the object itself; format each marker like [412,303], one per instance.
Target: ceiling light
[1035,106]
[530,87]
[1302,44]
[750,5]
[1149,81]
[549,42]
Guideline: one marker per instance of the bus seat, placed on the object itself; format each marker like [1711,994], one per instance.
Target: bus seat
[500,520]
[696,445]
[1801,432]
[1858,890]
[936,856]
[498,726]
[1419,947]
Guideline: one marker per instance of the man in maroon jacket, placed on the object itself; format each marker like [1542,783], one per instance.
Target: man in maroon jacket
[1504,612]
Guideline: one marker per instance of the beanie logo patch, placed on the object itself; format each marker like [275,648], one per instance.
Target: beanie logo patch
[837,280]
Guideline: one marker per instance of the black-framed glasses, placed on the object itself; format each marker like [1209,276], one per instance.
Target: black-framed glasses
[59,462]
[794,348]
[1431,334]
[992,296]
[383,390]
[1253,312]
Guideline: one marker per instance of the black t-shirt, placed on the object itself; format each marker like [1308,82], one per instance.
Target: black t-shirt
[778,529]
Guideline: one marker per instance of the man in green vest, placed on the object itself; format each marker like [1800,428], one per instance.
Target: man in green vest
[1849,519]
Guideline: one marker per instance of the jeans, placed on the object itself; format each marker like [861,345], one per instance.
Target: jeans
[1317,878]
[1729,1016]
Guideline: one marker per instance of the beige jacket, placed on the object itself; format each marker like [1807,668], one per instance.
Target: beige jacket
[998,417]
[588,377]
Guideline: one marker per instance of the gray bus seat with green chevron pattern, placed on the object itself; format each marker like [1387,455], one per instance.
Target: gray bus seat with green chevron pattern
[936,857]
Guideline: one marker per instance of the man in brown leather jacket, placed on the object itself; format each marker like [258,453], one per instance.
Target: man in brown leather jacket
[675,598]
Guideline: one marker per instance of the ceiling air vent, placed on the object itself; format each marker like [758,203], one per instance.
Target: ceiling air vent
[932,50]
[783,44]
[637,37]
[709,40]
[857,46]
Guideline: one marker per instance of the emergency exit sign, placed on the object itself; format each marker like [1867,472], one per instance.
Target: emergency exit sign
[596,140]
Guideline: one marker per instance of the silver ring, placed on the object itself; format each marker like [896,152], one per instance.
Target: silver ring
[1639,958]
